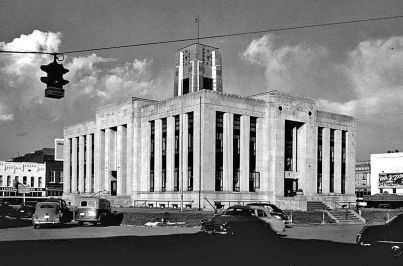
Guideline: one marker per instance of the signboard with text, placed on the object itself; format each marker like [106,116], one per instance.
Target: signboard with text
[23,188]
[391,180]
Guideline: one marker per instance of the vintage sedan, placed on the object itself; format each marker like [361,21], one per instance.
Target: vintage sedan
[26,210]
[275,211]
[389,234]
[239,219]
[47,213]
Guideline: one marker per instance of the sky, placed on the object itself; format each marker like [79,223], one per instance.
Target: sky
[353,69]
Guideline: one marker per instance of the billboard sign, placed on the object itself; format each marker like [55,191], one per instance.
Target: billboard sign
[23,188]
[391,180]
[59,145]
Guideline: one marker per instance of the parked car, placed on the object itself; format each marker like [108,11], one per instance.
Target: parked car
[47,213]
[94,210]
[67,212]
[5,209]
[390,234]
[26,210]
[240,217]
[275,211]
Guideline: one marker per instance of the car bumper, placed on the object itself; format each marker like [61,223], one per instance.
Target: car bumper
[46,222]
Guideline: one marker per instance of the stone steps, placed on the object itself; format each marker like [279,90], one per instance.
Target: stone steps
[317,206]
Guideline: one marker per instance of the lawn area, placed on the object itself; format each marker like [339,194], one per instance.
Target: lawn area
[373,215]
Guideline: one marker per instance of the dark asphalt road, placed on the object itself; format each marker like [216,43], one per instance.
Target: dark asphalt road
[248,248]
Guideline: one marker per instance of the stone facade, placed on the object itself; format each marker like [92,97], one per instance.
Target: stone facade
[211,148]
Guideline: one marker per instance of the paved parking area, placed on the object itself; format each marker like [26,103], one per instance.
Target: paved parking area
[345,233]
[331,232]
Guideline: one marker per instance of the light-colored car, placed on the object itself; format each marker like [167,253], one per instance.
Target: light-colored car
[47,213]
[262,213]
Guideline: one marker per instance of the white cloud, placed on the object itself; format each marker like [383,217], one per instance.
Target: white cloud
[4,114]
[372,76]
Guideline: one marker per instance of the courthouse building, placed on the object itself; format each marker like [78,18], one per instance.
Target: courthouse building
[205,147]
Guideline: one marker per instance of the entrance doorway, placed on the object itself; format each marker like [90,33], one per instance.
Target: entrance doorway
[290,187]
[114,188]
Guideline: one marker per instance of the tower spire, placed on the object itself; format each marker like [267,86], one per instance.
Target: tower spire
[197,20]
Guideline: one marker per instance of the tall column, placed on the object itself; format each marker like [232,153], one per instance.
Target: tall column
[108,133]
[89,169]
[337,161]
[228,149]
[350,162]
[144,182]
[66,166]
[261,155]
[184,131]
[170,153]
[326,160]
[158,156]
[81,164]
[74,166]
[244,153]
[99,154]
[121,149]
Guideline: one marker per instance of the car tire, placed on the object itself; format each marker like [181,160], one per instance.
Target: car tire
[36,226]
[80,223]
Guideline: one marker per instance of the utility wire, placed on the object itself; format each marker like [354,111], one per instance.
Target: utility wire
[215,36]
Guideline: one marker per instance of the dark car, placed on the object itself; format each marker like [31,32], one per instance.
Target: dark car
[275,211]
[390,234]
[239,219]
[94,210]
[26,210]
[5,209]
[67,212]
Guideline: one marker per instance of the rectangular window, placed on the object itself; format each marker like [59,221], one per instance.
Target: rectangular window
[219,151]
[319,161]
[207,83]
[61,176]
[331,179]
[190,151]
[152,150]
[52,176]
[343,161]
[185,85]
[9,181]
[24,180]
[236,152]
[190,179]
[32,181]
[252,154]
[1,180]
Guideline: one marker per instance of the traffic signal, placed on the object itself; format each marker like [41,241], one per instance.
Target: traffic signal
[54,80]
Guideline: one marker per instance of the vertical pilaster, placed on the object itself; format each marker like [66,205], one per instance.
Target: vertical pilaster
[158,156]
[74,166]
[144,182]
[261,156]
[66,166]
[350,162]
[228,150]
[337,161]
[121,149]
[133,161]
[244,153]
[81,168]
[325,160]
[89,165]
[170,153]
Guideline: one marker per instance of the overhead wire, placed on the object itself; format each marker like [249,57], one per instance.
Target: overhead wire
[210,37]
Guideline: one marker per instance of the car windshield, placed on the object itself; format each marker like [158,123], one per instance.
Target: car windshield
[395,219]
[238,211]
[88,203]
[275,208]
[47,206]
